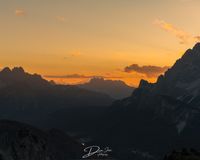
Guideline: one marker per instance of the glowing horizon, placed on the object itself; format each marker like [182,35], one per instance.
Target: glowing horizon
[97,38]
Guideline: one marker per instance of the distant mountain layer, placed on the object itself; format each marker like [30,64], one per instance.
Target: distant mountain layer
[29,97]
[162,116]
[115,88]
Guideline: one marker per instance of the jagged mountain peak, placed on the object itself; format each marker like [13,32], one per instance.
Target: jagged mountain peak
[196,47]
[18,75]
[191,54]
[166,112]
[15,70]
[18,70]
[184,70]
[144,84]
[181,75]
[102,80]
[115,88]
[5,70]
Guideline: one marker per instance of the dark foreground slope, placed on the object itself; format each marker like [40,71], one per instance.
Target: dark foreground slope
[184,154]
[20,141]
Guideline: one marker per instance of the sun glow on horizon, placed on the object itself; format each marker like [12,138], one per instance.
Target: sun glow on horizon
[97,38]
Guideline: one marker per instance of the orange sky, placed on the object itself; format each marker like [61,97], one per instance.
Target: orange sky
[96,38]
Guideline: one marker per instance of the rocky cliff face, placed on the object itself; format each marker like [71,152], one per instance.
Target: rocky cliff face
[176,94]
[164,115]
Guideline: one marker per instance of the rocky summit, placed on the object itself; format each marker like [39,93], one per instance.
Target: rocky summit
[161,116]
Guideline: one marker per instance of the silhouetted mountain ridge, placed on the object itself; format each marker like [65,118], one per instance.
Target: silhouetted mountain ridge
[29,97]
[115,88]
[163,115]
[18,76]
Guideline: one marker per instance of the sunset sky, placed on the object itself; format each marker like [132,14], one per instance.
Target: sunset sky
[71,41]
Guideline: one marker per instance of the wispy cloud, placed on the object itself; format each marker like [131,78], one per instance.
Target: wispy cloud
[20,12]
[183,36]
[61,19]
[76,54]
[78,76]
[185,0]
[69,76]
[73,54]
[149,71]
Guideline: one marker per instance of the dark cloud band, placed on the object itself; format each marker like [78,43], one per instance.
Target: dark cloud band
[149,71]
[77,76]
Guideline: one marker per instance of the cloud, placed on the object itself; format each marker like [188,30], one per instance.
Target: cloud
[78,76]
[76,54]
[20,12]
[185,0]
[61,19]
[149,71]
[73,54]
[197,38]
[68,76]
[183,36]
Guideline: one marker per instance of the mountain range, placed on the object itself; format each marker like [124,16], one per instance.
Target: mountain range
[115,88]
[154,120]
[29,97]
